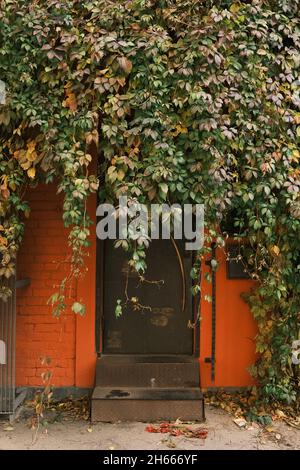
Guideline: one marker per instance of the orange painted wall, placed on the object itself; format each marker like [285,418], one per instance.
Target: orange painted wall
[235,331]
[70,340]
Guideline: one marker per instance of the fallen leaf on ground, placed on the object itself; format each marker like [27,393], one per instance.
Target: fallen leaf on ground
[280,413]
[245,405]
[240,422]
[269,428]
[178,430]
[75,408]
[8,428]
[294,423]
[169,443]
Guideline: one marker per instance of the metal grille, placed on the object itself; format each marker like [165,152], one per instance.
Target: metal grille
[7,351]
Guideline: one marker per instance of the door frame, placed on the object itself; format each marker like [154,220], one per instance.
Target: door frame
[100,319]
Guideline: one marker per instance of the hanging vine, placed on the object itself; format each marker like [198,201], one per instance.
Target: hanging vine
[186,101]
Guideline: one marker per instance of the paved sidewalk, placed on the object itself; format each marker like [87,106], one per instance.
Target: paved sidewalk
[62,432]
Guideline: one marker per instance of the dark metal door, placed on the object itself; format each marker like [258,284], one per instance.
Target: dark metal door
[156,316]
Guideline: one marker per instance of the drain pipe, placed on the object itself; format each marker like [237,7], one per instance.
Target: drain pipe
[212,263]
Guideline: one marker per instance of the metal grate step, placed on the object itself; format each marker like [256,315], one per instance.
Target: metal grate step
[146,404]
[160,371]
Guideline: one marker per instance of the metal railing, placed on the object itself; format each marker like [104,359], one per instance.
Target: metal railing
[9,399]
[8,350]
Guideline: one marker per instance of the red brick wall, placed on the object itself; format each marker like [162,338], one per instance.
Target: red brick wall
[39,334]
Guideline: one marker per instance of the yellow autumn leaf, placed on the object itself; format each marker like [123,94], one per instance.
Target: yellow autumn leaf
[18,130]
[31,146]
[268,355]
[70,101]
[19,154]
[280,413]
[181,129]
[31,172]
[276,250]
[235,7]
[3,241]
[269,428]
[31,156]
[121,174]
[261,52]
[4,181]
[25,165]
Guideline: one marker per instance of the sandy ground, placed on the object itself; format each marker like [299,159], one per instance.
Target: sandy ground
[63,433]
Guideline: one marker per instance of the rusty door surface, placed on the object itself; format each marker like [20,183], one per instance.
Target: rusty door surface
[157,312]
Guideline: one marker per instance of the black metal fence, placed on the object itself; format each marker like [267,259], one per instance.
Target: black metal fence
[7,351]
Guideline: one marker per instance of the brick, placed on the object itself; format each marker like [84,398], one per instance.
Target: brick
[46,336]
[47,214]
[33,309]
[38,319]
[57,242]
[31,268]
[47,232]
[39,371]
[36,382]
[51,223]
[22,379]
[28,371]
[47,328]
[26,330]
[40,292]
[47,258]
[23,293]
[34,284]
[38,301]
[70,328]
[59,372]
[43,259]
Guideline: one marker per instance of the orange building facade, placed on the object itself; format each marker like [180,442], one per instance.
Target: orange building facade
[70,340]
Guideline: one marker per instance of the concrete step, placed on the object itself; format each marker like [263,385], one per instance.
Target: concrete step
[147,371]
[146,404]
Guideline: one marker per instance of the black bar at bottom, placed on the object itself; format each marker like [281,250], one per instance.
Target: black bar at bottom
[135,459]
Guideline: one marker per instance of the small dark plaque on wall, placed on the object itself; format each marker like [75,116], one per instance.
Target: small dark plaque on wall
[235,267]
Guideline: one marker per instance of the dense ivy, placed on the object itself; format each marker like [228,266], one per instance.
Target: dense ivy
[186,101]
